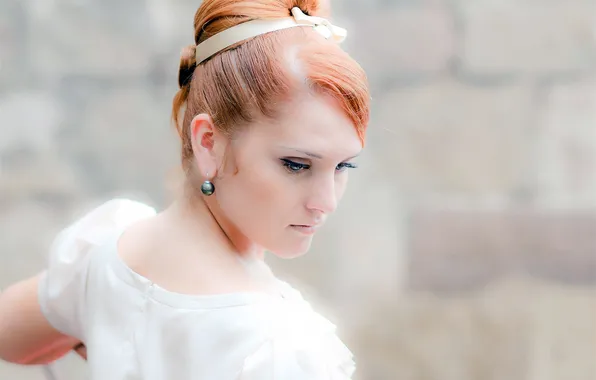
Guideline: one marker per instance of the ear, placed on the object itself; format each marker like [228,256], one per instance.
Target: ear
[203,137]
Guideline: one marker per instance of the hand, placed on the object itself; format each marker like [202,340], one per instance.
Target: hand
[81,350]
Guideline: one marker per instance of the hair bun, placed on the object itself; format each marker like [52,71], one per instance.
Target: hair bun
[320,8]
[187,65]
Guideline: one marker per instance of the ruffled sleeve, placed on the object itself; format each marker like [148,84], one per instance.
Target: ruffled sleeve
[63,284]
[300,345]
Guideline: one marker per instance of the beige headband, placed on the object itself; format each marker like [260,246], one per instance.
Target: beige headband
[251,29]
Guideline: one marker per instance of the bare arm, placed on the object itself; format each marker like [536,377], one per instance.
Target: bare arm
[26,337]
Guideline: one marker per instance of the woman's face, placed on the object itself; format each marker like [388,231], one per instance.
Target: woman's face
[282,179]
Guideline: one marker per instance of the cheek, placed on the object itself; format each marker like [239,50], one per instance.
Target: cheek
[260,194]
[341,184]
[266,185]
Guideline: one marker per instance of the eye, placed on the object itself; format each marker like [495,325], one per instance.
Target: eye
[294,167]
[345,165]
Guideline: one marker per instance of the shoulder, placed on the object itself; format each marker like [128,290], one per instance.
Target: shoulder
[94,225]
[136,240]
[62,287]
[72,248]
[99,219]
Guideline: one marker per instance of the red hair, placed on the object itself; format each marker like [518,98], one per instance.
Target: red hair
[250,78]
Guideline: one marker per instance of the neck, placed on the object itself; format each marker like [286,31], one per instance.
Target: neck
[204,213]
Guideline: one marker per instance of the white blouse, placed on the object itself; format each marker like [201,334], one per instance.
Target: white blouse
[133,329]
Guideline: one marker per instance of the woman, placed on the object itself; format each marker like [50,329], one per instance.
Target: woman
[272,115]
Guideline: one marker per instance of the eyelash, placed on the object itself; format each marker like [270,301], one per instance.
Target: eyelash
[297,168]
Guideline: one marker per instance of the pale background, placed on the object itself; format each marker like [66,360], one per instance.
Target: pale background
[465,248]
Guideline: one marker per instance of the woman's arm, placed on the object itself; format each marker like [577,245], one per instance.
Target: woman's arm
[26,337]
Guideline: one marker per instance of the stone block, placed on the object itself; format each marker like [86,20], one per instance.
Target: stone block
[96,39]
[28,229]
[171,25]
[448,139]
[29,119]
[123,142]
[14,63]
[527,37]
[514,329]
[463,250]
[400,43]
[563,169]
[564,343]
[358,7]
[13,371]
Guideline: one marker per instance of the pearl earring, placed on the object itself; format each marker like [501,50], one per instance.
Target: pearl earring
[207,187]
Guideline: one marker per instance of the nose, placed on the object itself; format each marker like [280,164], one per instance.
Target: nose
[323,197]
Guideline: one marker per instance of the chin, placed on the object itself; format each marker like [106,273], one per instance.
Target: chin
[291,252]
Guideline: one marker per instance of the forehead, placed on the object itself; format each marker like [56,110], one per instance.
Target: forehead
[315,123]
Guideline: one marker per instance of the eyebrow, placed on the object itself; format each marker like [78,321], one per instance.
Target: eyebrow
[314,155]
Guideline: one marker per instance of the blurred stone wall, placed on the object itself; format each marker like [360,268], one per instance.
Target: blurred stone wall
[465,247]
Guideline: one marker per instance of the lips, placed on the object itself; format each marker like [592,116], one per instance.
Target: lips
[312,225]
[304,228]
